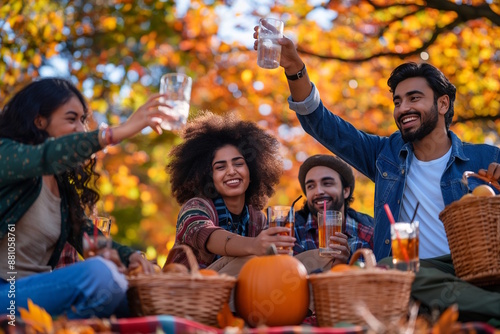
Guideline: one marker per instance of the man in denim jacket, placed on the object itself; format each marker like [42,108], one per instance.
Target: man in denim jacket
[422,162]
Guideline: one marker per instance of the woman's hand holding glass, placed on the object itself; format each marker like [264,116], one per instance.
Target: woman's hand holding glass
[149,114]
[271,236]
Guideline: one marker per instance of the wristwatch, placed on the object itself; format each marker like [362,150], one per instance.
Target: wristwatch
[298,75]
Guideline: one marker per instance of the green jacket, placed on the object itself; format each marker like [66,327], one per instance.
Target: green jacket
[21,170]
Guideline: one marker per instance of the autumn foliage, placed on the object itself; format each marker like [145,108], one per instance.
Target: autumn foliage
[117,54]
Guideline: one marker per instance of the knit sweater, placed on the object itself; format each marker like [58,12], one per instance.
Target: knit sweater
[196,221]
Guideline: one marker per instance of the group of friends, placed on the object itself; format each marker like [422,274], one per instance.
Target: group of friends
[222,175]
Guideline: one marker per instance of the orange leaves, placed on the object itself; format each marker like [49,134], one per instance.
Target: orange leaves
[36,317]
[446,321]
[225,318]
[108,23]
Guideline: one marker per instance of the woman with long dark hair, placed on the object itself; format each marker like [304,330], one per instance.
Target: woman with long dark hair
[47,170]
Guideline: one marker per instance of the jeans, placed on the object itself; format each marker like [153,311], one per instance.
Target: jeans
[89,288]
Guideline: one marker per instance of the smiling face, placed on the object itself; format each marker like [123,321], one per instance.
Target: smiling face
[67,118]
[230,173]
[322,185]
[415,112]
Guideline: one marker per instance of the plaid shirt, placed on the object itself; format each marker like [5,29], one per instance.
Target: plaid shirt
[358,228]
[69,256]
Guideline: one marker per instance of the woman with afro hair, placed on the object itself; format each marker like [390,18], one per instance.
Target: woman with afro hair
[222,175]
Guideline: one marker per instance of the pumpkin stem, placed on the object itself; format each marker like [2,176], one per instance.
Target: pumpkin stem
[272,250]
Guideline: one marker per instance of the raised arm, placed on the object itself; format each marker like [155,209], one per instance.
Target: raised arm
[295,69]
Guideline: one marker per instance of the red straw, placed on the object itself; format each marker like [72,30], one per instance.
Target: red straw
[324,220]
[324,213]
[393,223]
[87,238]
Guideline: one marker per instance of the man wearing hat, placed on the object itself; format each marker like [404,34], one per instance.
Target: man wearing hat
[328,178]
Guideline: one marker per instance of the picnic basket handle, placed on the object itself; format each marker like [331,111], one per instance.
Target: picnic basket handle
[193,263]
[468,174]
[370,261]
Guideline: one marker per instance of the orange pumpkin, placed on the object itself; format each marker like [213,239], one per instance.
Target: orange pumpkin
[175,268]
[272,290]
[208,272]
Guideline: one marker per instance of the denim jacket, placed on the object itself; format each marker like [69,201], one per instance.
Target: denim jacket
[385,161]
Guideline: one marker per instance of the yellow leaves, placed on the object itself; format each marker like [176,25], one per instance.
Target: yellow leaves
[151,253]
[157,174]
[37,317]
[415,42]
[11,8]
[246,76]
[146,196]
[486,53]
[99,105]
[36,60]
[149,209]
[149,40]
[109,206]
[47,32]
[451,53]
[125,184]
[108,23]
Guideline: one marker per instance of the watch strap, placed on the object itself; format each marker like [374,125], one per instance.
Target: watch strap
[298,75]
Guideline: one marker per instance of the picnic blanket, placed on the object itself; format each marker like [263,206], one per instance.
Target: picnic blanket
[170,325]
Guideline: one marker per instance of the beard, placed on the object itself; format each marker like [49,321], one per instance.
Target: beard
[336,205]
[427,126]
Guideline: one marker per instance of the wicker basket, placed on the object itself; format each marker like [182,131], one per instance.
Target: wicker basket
[339,295]
[191,296]
[472,226]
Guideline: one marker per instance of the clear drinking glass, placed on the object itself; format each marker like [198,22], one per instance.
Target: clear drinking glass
[268,48]
[329,222]
[103,224]
[282,217]
[177,88]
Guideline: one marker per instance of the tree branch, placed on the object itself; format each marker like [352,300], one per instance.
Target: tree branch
[461,119]
[464,12]
[401,55]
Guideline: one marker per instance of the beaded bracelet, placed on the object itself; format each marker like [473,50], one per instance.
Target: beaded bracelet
[106,135]
[109,136]
[111,140]
[103,127]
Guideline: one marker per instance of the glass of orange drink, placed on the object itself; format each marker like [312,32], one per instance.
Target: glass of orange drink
[329,222]
[405,245]
[281,216]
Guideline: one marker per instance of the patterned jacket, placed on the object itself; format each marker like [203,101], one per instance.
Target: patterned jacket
[196,221]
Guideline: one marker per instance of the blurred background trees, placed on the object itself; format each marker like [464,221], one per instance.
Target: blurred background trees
[117,50]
